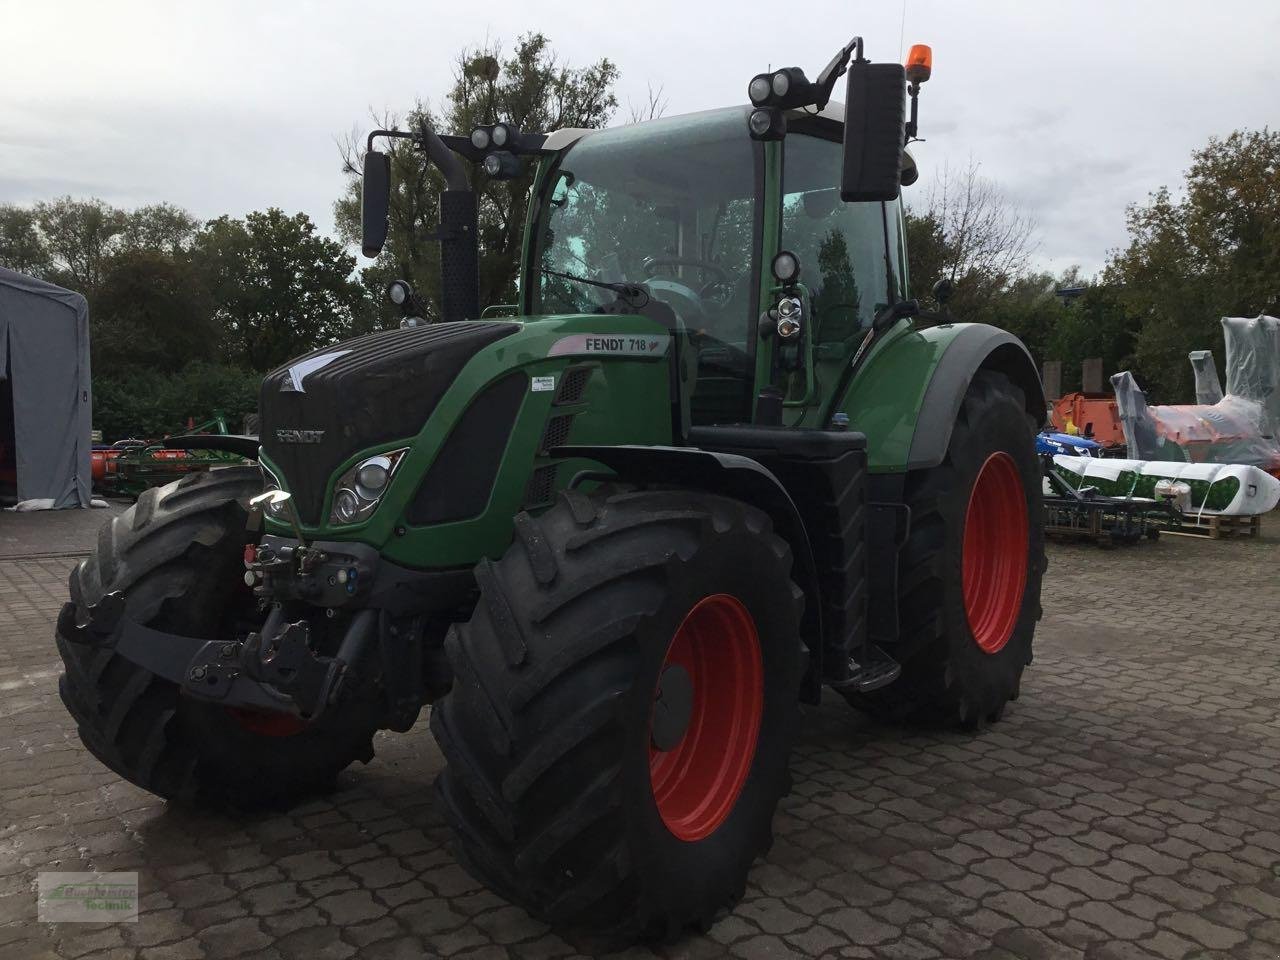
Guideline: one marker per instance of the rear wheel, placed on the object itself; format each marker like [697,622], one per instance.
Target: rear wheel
[624,702]
[177,556]
[970,571]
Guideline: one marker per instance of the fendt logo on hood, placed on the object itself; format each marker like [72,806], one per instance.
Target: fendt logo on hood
[299,436]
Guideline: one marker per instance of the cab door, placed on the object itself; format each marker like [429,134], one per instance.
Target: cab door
[850,261]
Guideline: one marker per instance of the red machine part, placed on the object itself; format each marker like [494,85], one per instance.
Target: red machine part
[1094,415]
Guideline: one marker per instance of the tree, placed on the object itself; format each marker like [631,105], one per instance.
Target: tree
[72,241]
[533,89]
[151,310]
[147,403]
[160,227]
[1094,324]
[80,235]
[653,107]
[279,289]
[22,248]
[927,251]
[1210,252]
[971,234]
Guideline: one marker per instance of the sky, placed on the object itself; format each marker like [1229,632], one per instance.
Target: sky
[1074,109]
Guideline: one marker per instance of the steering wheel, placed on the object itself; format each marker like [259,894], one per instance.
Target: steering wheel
[680,297]
[718,290]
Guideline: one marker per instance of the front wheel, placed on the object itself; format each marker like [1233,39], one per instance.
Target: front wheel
[970,571]
[177,555]
[624,702]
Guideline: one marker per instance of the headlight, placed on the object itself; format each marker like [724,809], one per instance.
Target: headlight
[346,506]
[372,477]
[358,490]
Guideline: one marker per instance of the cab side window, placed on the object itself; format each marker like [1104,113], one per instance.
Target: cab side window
[841,245]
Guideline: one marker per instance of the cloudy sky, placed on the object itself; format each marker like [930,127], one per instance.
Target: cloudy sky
[1074,108]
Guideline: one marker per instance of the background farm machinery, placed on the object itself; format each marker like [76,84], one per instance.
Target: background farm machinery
[128,467]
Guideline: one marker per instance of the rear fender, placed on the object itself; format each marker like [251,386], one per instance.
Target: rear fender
[743,479]
[977,347]
[907,394]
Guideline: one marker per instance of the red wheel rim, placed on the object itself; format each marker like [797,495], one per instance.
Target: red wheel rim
[697,781]
[995,552]
[266,724]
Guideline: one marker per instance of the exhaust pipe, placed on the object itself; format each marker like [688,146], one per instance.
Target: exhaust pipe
[459,255]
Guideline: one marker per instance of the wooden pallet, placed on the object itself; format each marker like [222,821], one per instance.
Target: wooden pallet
[1218,528]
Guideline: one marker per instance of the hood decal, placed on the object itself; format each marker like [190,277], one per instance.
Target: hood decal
[612,344]
[304,368]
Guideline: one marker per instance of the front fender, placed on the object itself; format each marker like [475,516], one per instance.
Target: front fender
[908,393]
[742,478]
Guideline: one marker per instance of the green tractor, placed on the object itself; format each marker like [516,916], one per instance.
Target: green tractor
[714,461]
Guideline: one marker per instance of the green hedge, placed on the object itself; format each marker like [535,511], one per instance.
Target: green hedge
[151,403]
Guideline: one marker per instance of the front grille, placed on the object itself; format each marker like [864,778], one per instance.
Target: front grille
[383,387]
[573,384]
[557,433]
[541,486]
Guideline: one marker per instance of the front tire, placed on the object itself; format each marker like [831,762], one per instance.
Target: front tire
[970,571]
[624,702]
[177,555]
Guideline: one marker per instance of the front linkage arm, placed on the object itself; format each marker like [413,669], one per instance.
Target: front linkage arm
[271,670]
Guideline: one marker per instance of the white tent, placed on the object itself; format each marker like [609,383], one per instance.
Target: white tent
[44,357]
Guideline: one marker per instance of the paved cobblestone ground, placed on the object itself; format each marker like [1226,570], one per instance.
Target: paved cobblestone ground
[1126,806]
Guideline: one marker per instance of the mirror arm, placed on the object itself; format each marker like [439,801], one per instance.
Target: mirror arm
[455,176]
[832,72]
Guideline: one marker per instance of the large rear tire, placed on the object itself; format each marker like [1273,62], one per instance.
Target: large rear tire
[970,571]
[177,555]
[624,702]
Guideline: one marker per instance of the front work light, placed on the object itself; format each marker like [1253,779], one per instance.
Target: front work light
[759,88]
[502,165]
[480,138]
[767,123]
[785,89]
[786,267]
[399,292]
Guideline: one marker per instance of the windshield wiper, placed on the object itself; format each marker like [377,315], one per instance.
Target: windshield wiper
[633,294]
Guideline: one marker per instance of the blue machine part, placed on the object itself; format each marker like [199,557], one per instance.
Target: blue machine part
[1047,442]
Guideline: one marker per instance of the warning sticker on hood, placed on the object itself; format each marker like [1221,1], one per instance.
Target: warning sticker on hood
[611,344]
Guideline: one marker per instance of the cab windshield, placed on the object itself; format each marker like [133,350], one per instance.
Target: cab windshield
[670,205]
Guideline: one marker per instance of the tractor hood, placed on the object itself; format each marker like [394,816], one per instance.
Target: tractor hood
[323,407]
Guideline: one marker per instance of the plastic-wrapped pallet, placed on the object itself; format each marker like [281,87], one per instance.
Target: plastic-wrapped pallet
[1228,489]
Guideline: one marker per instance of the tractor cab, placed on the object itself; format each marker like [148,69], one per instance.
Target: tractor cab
[692,210]
[767,237]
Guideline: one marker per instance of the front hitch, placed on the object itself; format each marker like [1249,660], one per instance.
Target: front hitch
[273,669]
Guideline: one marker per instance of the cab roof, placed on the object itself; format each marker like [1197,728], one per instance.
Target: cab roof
[834,111]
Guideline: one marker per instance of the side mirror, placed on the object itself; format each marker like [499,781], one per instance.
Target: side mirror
[375,202]
[874,131]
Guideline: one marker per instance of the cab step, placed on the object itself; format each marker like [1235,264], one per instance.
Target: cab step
[874,670]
